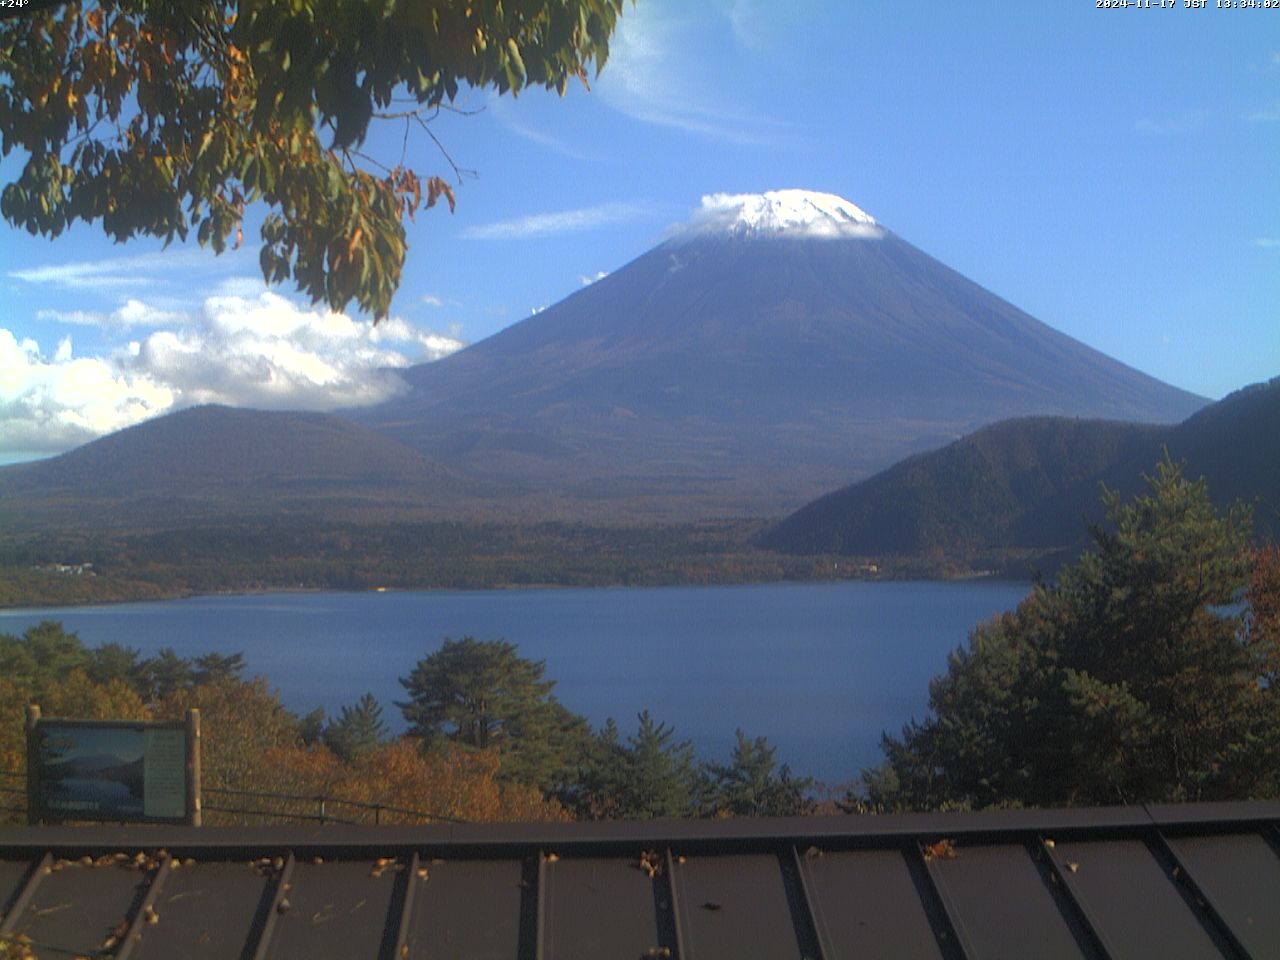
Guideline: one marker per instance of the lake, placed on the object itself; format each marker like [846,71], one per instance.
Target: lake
[820,669]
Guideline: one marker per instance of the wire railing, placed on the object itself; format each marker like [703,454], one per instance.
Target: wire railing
[245,807]
[319,808]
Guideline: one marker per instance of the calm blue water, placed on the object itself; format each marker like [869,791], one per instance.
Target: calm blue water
[820,669]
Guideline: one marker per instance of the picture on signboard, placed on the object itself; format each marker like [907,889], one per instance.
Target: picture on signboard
[106,772]
[93,770]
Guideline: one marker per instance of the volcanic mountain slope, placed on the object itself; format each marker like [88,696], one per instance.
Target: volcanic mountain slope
[776,346]
[1030,484]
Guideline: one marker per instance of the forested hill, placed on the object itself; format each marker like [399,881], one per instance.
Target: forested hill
[215,459]
[1027,484]
[968,495]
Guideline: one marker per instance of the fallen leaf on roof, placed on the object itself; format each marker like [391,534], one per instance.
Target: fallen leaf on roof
[942,850]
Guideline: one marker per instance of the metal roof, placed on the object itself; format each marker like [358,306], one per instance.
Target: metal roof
[1156,881]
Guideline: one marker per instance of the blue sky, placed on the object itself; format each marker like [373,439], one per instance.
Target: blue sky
[1112,172]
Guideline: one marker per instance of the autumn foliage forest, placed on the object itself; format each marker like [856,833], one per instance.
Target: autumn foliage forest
[525,758]
[250,742]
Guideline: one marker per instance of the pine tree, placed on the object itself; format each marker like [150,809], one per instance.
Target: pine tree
[165,674]
[213,667]
[1126,681]
[649,775]
[752,785]
[483,696]
[359,728]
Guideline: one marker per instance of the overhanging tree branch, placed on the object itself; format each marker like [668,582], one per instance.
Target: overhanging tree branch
[216,105]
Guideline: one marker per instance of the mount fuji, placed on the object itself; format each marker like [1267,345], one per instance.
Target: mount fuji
[772,348]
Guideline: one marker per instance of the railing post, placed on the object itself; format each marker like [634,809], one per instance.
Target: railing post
[195,803]
[323,814]
[33,763]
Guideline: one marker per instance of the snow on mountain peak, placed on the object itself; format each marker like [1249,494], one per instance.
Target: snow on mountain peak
[788,213]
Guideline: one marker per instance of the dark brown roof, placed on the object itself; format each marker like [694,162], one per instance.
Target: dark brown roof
[1167,882]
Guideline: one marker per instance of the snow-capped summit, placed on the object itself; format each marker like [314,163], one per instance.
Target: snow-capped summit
[787,213]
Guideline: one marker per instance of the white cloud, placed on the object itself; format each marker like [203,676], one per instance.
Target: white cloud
[132,313]
[431,300]
[1267,243]
[263,352]
[241,286]
[564,221]
[588,281]
[48,404]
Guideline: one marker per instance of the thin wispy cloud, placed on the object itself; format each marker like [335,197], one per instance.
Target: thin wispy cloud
[755,22]
[564,221]
[650,77]
[501,109]
[1267,243]
[140,270]
[437,302]
[1191,121]
[1270,114]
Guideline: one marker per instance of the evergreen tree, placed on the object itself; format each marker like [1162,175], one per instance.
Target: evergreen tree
[751,785]
[213,667]
[311,727]
[1126,681]
[43,653]
[1263,633]
[165,674]
[112,661]
[650,775]
[359,728]
[483,695]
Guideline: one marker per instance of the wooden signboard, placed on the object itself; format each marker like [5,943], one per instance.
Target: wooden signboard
[113,770]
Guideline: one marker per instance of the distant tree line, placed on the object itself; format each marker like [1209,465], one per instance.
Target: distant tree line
[147,564]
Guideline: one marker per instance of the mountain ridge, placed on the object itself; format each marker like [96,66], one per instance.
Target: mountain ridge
[724,373]
[1031,484]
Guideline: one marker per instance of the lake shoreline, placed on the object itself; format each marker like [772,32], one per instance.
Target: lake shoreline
[147,596]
